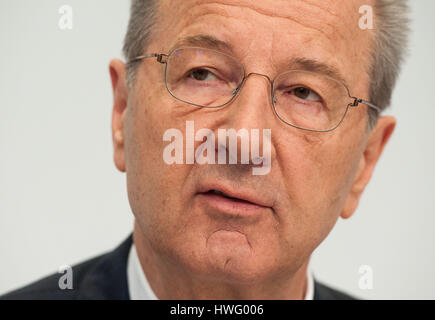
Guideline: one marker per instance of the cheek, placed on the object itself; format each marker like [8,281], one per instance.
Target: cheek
[152,185]
[317,174]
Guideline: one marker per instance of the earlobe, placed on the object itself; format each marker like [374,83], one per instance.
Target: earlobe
[118,137]
[120,94]
[375,144]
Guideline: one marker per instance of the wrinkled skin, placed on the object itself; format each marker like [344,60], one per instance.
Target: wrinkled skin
[188,249]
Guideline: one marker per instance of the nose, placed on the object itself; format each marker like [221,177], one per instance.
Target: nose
[252,105]
[252,110]
[237,90]
[259,74]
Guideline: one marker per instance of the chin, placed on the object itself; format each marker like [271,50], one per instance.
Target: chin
[242,272]
[232,269]
[229,257]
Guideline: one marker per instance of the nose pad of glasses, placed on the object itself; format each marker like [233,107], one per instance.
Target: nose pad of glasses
[236,90]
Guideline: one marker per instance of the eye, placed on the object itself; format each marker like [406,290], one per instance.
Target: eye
[305,94]
[201,75]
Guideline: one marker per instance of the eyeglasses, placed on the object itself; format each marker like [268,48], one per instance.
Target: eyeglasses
[211,79]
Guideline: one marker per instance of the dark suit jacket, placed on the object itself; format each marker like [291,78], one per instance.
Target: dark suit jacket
[105,277]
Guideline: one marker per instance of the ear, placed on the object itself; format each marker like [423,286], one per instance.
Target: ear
[120,95]
[376,142]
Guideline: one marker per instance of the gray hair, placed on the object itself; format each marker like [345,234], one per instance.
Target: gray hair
[142,19]
[390,45]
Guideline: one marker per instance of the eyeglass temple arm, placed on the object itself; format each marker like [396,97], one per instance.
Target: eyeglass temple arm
[161,57]
[357,101]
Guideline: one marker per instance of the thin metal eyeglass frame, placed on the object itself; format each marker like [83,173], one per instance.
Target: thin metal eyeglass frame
[163,59]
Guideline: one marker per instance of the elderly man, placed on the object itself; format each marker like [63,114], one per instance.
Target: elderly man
[245,129]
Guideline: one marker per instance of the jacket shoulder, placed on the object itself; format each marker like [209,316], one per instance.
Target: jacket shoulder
[48,288]
[102,277]
[324,292]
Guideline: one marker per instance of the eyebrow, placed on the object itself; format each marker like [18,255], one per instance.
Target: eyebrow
[311,65]
[203,40]
[318,67]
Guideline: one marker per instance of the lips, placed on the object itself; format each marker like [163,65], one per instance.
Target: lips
[233,201]
[220,193]
[227,196]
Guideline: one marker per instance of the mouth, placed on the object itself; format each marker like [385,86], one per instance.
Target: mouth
[223,194]
[233,202]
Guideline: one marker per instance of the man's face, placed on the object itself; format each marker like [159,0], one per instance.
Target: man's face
[311,173]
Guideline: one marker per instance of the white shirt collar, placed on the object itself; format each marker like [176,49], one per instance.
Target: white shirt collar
[138,286]
[140,289]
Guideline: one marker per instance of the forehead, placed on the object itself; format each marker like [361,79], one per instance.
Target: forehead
[267,34]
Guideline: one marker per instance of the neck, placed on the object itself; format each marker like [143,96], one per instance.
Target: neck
[172,282]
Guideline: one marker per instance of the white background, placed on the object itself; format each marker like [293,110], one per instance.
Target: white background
[63,201]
